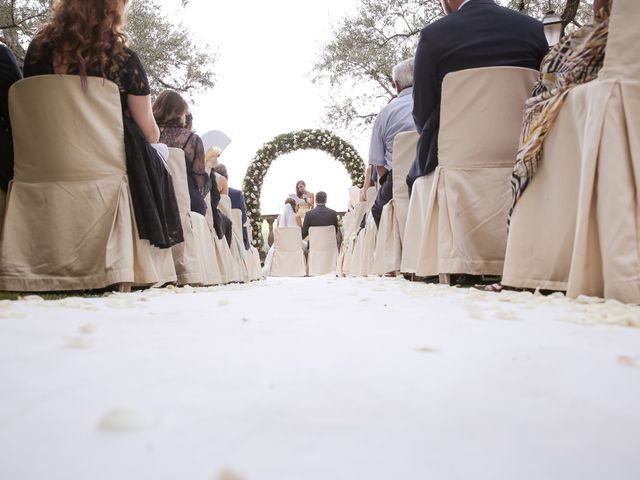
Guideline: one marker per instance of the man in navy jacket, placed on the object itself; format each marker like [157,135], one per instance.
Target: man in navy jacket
[475,33]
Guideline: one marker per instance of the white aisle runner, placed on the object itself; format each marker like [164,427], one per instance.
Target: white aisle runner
[318,379]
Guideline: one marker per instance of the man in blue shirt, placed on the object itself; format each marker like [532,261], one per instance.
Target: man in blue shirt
[394,118]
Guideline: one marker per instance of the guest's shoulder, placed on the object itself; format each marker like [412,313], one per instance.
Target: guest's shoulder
[517,17]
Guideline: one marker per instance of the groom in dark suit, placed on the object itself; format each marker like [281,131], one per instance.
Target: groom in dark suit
[475,33]
[321,216]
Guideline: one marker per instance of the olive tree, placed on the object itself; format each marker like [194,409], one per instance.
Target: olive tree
[170,55]
[356,63]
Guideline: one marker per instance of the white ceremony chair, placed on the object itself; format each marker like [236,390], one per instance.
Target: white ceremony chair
[415,222]
[251,256]
[361,261]
[323,251]
[351,226]
[577,225]
[388,253]
[69,221]
[287,259]
[480,120]
[237,246]
[227,264]
[194,259]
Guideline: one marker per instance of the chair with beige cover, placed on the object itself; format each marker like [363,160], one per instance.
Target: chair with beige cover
[480,119]
[287,258]
[237,245]
[415,223]
[351,225]
[577,225]
[388,253]
[363,247]
[251,256]
[194,259]
[323,251]
[227,265]
[69,221]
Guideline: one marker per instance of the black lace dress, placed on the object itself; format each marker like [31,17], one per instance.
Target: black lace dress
[197,177]
[154,201]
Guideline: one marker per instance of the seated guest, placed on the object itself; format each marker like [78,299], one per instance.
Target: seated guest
[302,197]
[86,39]
[221,223]
[321,216]
[9,74]
[211,157]
[575,60]
[394,118]
[459,41]
[171,111]
[237,201]
[289,216]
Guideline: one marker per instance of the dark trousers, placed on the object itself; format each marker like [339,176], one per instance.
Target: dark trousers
[384,195]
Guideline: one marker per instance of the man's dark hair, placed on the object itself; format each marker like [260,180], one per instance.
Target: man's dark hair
[222,170]
[321,197]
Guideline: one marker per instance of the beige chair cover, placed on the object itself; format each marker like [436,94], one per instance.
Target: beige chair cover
[254,251]
[69,222]
[351,224]
[323,251]
[251,257]
[388,253]
[227,265]
[480,120]
[194,259]
[415,223]
[577,226]
[361,262]
[237,246]
[288,257]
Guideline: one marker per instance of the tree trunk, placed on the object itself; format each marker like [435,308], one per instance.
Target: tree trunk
[569,13]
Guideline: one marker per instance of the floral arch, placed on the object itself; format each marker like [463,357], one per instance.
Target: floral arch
[323,140]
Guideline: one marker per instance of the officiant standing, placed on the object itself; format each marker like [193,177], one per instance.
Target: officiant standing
[303,198]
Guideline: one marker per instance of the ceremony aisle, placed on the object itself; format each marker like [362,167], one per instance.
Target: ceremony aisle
[319,379]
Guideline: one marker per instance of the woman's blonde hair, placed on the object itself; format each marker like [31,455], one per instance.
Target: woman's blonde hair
[84,35]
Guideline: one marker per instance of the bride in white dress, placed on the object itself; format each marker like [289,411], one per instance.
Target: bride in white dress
[287,219]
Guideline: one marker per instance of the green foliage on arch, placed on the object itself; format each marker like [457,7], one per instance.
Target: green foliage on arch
[323,140]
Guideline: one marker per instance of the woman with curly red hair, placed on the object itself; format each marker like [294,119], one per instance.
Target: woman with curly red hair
[86,38]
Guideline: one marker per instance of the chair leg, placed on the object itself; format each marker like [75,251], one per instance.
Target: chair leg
[445,278]
[124,287]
